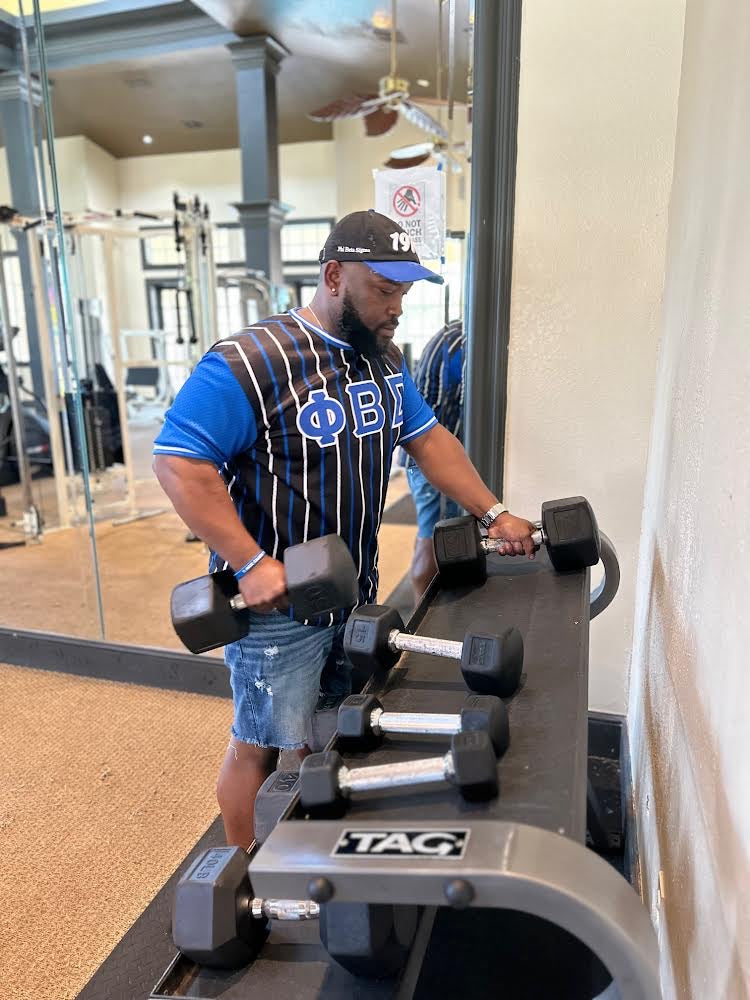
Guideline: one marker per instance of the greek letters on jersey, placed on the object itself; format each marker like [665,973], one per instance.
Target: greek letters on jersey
[321,418]
[302,430]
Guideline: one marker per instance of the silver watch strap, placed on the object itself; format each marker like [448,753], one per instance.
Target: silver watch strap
[492,514]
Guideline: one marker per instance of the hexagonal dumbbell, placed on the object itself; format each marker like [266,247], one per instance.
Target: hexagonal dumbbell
[209,611]
[217,920]
[491,662]
[568,530]
[363,722]
[326,783]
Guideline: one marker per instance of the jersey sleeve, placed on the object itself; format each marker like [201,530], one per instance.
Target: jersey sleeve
[211,418]
[418,417]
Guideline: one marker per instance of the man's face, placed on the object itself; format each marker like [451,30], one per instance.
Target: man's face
[370,308]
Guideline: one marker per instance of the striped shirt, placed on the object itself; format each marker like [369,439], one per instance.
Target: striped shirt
[302,430]
[439,376]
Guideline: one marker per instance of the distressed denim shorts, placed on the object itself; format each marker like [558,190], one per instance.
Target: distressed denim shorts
[277,672]
[428,502]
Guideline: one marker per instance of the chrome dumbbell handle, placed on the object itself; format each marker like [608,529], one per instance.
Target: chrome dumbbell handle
[406,643]
[493,544]
[414,723]
[284,909]
[408,772]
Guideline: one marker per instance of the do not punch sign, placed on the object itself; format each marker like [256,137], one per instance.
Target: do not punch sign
[407,201]
[415,199]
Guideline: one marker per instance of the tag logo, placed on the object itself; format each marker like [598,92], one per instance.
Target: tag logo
[448,844]
[321,419]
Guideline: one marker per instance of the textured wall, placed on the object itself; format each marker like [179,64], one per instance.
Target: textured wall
[690,686]
[597,120]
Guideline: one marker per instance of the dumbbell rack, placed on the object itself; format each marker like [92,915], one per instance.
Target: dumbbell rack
[542,785]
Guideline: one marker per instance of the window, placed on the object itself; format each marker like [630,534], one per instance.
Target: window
[303,239]
[158,249]
[229,245]
[424,306]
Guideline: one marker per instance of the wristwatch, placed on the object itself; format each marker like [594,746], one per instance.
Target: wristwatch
[492,514]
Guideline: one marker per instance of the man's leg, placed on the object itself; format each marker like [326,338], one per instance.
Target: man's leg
[275,676]
[423,566]
[336,676]
[244,770]
[427,502]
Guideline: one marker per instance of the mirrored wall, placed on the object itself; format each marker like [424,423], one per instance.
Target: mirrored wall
[132,190]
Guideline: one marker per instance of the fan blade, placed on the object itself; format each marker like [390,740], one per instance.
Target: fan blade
[414,114]
[402,163]
[409,152]
[380,121]
[347,107]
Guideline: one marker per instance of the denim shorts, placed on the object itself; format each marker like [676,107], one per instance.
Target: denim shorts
[427,500]
[277,672]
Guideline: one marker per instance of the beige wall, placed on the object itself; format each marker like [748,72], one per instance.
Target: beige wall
[596,130]
[306,169]
[690,684]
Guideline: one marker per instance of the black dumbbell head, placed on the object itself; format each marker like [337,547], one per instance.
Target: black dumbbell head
[491,662]
[202,616]
[320,576]
[354,727]
[487,713]
[572,533]
[459,555]
[319,783]
[212,922]
[366,636]
[475,766]
[274,795]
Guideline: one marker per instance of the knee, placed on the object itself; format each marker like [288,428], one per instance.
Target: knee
[243,760]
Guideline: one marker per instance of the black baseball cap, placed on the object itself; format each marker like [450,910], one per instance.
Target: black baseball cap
[374,239]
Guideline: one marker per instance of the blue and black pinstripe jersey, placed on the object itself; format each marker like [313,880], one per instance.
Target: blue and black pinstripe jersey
[302,429]
[439,376]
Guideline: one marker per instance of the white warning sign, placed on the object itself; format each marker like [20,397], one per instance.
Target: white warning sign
[415,199]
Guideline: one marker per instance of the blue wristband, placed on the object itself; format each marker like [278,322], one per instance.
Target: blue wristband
[249,565]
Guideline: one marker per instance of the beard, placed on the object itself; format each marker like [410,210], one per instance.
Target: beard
[350,328]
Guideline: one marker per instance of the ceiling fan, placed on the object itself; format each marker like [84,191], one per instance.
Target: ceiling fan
[443,149]
[381,111]
[412,156]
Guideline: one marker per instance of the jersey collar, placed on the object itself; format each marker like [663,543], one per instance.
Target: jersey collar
[320,331]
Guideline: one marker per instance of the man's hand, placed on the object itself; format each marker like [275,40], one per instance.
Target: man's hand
[516,532]
[264,587]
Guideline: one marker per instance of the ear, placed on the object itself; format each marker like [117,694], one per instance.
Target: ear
[332,273]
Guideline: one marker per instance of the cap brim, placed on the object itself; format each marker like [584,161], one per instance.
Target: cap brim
[403,270]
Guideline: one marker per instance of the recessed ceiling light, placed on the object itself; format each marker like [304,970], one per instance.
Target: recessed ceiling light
[148,139]
[381,20]
[423,83]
